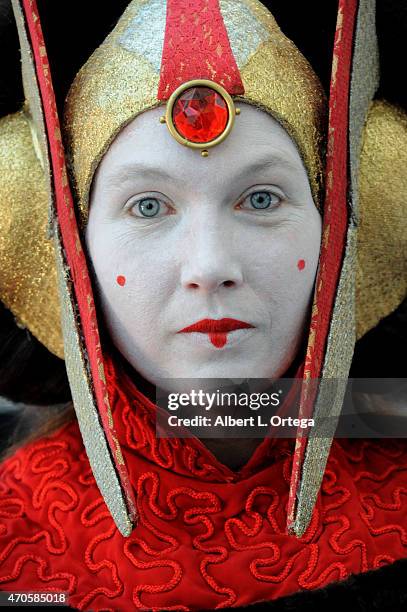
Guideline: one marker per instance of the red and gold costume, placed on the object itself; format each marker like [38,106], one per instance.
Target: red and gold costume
[207,537]
[123,520]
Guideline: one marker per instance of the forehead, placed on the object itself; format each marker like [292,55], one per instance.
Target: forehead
[145,144]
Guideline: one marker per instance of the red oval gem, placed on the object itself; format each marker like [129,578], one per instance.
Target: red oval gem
[200,114]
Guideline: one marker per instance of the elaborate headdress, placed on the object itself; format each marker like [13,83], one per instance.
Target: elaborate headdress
[235,51]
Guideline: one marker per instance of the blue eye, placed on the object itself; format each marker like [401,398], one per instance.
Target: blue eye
[149,207]
[261,200]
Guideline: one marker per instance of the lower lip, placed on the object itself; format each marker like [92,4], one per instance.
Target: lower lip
[217,342]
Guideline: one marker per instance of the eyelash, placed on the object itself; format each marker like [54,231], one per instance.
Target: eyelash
[239,205]
[267,192]
[132,205]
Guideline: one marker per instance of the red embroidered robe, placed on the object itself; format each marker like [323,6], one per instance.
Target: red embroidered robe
[207,537]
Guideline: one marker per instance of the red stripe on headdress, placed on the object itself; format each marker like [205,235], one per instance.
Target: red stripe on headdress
[196,46]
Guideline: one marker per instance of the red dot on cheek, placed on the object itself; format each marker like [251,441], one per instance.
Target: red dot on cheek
[121,280]
[301,264]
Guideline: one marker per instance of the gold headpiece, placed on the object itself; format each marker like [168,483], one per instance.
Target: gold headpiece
[122,80]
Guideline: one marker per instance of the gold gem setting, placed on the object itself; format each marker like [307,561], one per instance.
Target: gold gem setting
[168,118]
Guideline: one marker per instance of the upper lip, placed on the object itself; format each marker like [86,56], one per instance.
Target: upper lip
[207,326]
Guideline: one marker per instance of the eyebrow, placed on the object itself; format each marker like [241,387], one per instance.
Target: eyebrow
[275,159]
[130,171]
[134,170]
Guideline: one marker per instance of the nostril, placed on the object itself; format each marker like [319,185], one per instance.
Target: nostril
[209,284]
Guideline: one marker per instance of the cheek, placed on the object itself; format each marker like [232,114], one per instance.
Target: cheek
[137,281]
[285,257]
[283,268]
[126,262]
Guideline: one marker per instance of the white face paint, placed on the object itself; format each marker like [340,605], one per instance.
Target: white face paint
[176,238]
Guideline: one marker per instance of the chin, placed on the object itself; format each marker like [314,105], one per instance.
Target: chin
[239,369]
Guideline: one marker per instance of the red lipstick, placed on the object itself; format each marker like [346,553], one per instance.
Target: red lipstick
[216,328]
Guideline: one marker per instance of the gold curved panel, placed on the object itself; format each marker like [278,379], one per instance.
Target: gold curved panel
[381,277]
[28,280]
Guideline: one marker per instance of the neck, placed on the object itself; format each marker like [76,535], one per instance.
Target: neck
[233,452]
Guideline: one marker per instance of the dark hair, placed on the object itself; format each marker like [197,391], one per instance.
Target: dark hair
[11,89]
[28,372]
[30,375]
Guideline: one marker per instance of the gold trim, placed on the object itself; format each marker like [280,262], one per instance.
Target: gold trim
[200,83]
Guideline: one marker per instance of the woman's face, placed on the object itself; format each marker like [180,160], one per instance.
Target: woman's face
[178,240]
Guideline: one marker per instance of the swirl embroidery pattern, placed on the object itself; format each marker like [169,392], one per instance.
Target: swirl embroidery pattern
[204,539]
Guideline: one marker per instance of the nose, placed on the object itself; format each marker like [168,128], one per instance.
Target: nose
[210,261]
